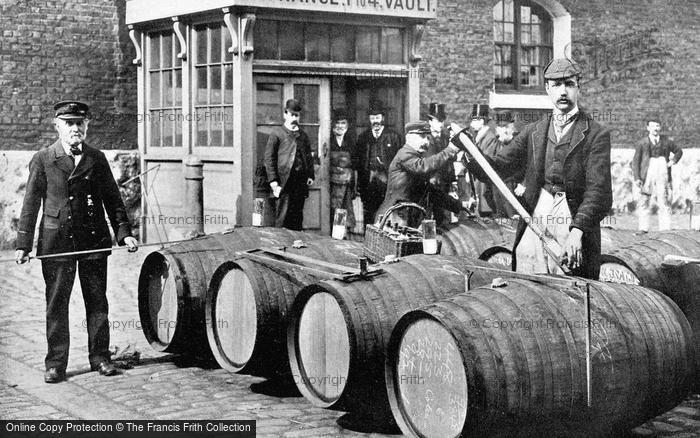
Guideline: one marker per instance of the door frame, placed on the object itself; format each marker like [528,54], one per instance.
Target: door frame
[322,182]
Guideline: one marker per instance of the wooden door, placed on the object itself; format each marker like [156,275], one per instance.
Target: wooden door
[271,92]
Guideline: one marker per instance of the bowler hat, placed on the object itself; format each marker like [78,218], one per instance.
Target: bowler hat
[437,111]
[340,114]
[560,68]
[376,107]
[293,105]
[71,110]
[480,111]
[417,127]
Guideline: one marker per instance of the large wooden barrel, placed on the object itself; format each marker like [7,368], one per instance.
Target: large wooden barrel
[471,238]
[173,283]
[516,355]
[611,238]
[642,263]
[248,304]
[338,330]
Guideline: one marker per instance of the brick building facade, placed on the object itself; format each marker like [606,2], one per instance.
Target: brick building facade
[647,55]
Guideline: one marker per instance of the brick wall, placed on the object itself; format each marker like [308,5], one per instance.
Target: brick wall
[458,55]
[54,50]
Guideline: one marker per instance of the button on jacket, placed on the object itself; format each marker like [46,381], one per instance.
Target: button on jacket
[74,199]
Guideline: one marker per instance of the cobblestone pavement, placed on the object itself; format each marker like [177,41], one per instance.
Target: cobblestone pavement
[164,387]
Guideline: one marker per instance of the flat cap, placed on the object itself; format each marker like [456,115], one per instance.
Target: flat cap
[293,105]
[71,110]
[417,127]
[560,68]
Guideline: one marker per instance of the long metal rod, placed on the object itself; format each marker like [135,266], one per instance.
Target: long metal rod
[95,251]
[133,178]
[589,365]
[551,246]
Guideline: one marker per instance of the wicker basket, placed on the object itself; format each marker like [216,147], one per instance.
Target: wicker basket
[380,243]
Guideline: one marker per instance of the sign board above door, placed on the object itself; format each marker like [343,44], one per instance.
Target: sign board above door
[140,11]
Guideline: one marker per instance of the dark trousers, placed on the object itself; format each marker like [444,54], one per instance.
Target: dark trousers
[372,199]
[59,277]
[290,205]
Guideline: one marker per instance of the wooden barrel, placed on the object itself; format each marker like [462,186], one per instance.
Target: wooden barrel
[642,263]
[470,238]
[173,284]
[248,304]
[490,357]
[338,330]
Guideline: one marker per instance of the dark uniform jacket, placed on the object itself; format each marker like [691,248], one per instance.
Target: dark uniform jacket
[586,176]
[646,150]
[373,159]
[281,151]
[409,174]
[446,175]
[74,201]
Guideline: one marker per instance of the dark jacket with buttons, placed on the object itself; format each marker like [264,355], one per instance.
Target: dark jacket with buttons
[586,176]
[74,201]
[644,151]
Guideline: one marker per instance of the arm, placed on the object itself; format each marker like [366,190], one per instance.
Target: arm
[271,149]
[113,202]
[419,165]
[637,162]
[35,192]
[677,151]
[597,198]
[509,161]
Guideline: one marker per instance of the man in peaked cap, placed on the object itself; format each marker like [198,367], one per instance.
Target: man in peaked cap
[73,184]
[567,177]
[410,172]
[290,168]
[376,147]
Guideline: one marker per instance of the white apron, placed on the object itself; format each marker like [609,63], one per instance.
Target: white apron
[553,217]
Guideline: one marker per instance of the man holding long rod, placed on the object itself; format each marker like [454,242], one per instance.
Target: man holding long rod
[568,182]
[73,184]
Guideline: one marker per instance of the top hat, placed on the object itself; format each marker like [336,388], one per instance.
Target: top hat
[437,111]
[340,114]
[376,107]
[293,105]
[71,110]
[480,111]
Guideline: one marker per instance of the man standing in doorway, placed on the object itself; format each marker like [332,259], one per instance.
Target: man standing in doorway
[376,147]
[343,164]
[290,168]
[568,187]
[651,167]
[73,184]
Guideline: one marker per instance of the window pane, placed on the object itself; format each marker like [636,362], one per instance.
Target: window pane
[497,76]
[498,32]
[317,42]
[536,34]
[215,84]
[167,51]
[265,37]
[367,44]
[307,95]
[535,18]
[228,126]
[168,125]
[497,59]
[269,104]
[155,90]
[202,122]
[215,44]
[524,75]
[507,74]
[525,14]
[201,86]
[508,35]
[228,56]
[202,45]
[154,127]
[525,34]
[392,46]
[168,88]
[215,118]
[228,83]
[154,52]
[508,10]
[179,119]
[291,40]
[507,51]
[343,44]
[498,11]
[178,88]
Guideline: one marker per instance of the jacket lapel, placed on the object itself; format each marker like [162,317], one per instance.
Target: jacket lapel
[85,164]
[61,159]
[539,144]
[579,132]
